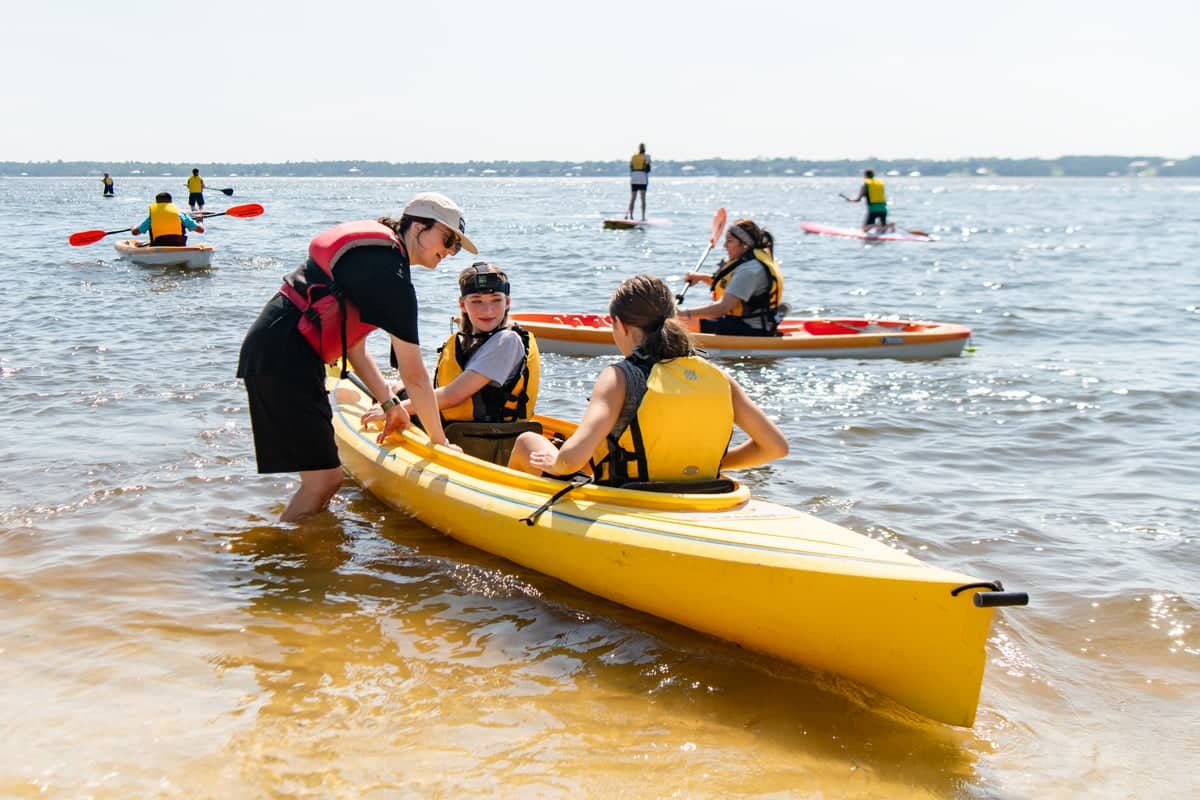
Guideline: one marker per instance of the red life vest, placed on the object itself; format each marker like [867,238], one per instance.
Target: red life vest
[321,304]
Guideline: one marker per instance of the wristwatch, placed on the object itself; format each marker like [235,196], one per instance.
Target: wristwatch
[387,405]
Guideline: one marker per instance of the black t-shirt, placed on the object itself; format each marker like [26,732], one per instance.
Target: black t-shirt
[374,279]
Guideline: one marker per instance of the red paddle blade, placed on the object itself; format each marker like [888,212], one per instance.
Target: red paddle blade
[717,226]
[245,211]
[85,237]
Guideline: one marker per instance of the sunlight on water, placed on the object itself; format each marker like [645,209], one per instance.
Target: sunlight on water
[166,637]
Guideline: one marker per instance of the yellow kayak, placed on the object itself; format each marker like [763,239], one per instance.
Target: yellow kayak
[768,577]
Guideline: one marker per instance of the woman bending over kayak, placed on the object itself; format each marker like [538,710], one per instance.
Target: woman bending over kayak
[356,278]
[662,414]
[747,287]
[489,371]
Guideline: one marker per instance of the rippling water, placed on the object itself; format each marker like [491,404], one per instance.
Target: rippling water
[164,636]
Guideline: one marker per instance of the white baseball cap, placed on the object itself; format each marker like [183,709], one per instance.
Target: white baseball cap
[435,206]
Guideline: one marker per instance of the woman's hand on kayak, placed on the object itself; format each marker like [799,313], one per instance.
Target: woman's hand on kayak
[397,420]
[544,460]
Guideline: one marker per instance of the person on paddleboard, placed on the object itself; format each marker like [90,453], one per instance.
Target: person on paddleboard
[166,224]
[196,187]
[639,179]
[747,287]
[873,192]
[108,186]
[356,279]
[487,374]
[664,414]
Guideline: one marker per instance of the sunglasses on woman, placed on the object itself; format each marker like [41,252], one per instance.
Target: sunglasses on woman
[451,240]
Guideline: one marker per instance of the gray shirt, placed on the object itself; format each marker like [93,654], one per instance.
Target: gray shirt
[749,279]
[499,358]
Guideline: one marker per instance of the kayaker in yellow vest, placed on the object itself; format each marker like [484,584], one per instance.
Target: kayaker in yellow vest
[489,371]
[872,191]
[662,414]
[639,179]
[747,287]
[196,187]
[108,185]
[166,224]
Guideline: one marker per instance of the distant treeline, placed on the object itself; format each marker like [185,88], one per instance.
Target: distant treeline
[1067,166]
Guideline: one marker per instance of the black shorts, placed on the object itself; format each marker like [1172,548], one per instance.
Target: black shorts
[876,216]
[196,199]
[730,326]
[293,424]
[636,187]
[170,240]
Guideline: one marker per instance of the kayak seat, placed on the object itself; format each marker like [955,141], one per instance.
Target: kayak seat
[823,328]
[714,486]
[489,441]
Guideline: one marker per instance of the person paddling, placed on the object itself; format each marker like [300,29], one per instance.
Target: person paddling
[747,287]
[877,211]
[108,185]
[166,224]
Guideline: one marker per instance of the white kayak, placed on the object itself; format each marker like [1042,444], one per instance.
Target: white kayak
[193,255]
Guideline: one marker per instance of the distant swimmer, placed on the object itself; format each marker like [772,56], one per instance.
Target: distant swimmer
[877,210]
[639,178]
[108,185]
[196,187]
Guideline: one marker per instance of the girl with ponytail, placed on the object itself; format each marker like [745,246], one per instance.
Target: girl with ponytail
[662,414]
[747,287]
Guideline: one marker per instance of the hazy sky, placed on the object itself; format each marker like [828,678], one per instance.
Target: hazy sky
[458,80]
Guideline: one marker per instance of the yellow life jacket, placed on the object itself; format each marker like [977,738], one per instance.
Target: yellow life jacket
[164,220]
[763,305]
[512,401]
[195,183]
[638,162]
[875,193]
[677,430]
[107,181]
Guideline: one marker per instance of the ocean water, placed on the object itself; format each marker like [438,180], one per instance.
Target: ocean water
[164,636]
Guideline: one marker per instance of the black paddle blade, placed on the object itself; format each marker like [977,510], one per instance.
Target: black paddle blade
[226,192]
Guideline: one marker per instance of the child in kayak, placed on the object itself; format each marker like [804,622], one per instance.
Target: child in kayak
[662,414]
[747,287]
[489,371]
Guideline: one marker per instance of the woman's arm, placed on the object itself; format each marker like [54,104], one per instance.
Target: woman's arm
[711,311]
[766,442]
[420,391]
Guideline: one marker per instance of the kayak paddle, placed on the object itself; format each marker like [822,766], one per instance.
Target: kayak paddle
[91,237]
[718,225]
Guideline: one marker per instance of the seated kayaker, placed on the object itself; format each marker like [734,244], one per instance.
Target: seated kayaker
[487,375]
[663,414]
[747,287]
[166,223]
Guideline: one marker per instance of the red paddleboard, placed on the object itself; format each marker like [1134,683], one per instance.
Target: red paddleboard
[857,233]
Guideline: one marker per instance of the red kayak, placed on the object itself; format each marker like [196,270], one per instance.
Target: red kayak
[857,233]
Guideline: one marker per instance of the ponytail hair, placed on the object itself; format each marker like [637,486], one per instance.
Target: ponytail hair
[646,303]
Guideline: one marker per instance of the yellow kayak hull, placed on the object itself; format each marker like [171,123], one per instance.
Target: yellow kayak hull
[773,579]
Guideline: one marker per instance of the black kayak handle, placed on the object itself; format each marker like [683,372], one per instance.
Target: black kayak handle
[994,597]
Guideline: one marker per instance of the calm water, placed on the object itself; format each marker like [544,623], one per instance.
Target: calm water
[162,635]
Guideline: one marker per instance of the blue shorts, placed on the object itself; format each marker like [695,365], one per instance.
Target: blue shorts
[196,199]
